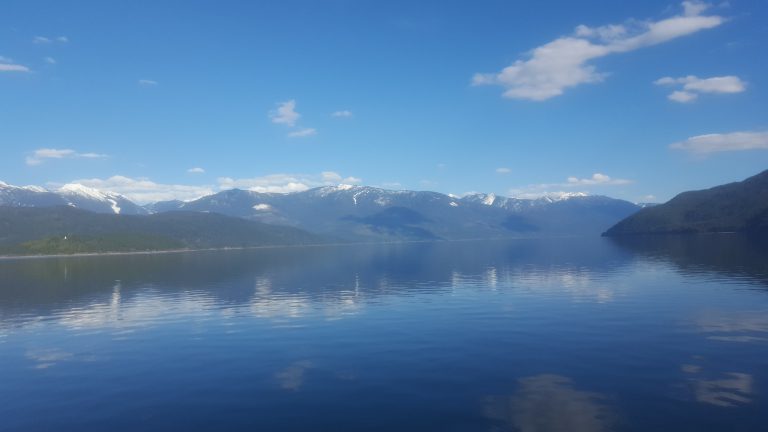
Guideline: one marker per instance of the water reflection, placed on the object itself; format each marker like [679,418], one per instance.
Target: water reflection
[410,336]
[729,389]
[292,377]
[745,326]
[293,282]
[733,256]
[45,358]
[550,403]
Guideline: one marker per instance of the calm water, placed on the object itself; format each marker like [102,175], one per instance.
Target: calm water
[529,335]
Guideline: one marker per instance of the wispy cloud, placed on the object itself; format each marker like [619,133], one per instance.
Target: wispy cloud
[503,170]
[565,62]
[692,86]
[49,60]
[713,143]
[303,132]
[597,179]
[342,114]
[41,155]
[42,40]
[567,187]
[285,183]
[285,113]
[332,177]
[196,170]
[148,83]
[8,65]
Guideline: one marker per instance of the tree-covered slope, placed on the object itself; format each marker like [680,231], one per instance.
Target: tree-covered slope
[43,230]
[740,206]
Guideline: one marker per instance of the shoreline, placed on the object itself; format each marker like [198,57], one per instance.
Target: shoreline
[240,248]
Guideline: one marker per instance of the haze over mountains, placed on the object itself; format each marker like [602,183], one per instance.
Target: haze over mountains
[355,213]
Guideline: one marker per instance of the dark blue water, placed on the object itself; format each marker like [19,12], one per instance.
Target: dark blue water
[528,335]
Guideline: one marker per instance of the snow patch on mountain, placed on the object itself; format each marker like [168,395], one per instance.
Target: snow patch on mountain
[81,190]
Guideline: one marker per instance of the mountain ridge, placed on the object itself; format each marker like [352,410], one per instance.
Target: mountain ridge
[733,207]
[364,213]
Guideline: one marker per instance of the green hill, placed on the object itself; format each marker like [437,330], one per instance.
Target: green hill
[55,230]
[734,207]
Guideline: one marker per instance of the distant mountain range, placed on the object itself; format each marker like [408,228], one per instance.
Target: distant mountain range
[734,207]
[360,213]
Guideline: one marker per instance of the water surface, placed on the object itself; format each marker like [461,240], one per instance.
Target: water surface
[526,335]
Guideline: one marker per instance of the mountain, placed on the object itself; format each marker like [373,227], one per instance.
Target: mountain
[352,213]
[73,195]
[28,196]
[361,213]
[94,200]
[65,229]
[734,207]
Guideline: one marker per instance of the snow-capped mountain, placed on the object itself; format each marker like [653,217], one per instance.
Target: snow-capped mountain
[28,196]
[94,200]
[73,195]
[348,212]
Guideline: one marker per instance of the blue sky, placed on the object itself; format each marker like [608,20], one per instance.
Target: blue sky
[162,99]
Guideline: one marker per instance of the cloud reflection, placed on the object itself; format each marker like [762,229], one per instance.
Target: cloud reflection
[45,358]
[732,389]
[745,326]
[292,377]
[729,389]
[549,403]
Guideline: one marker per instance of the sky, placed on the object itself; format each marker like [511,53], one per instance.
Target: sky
[177,99]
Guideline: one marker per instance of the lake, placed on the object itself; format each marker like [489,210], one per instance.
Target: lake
[575,335]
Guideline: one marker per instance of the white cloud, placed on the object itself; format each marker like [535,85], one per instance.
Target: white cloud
[285,113]
[692,85]
[286,183]
[331,176]
[196,170]
[148,82]
[49,60]
[734,141]
[503,170]
[682,96]
[559,190]
[342,113]
[565,62]
[532,192]
[597,179]
[303,132]
[8,65]
[40,155]
[143,190]
[62,39]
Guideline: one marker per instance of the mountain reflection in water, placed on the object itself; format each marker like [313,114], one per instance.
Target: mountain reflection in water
[529,335]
